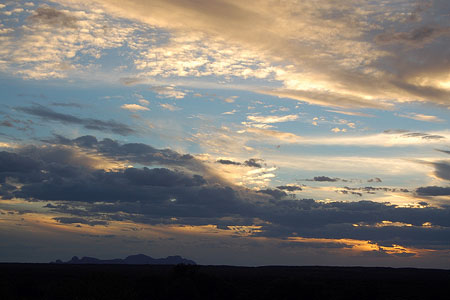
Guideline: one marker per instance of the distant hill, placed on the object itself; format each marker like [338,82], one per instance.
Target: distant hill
[138,259]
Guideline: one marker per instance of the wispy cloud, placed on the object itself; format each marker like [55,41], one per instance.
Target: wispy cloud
[168,92]
[169,107]
[47,114]
[351,113]
[421,117]
[275,135]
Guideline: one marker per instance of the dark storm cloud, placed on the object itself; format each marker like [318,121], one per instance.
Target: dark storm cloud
[443,151]
[442,169]
[372,190]
[228,162]
[335,220]
[47,114]
[252,162]
[325,179]
[132,152]
[53,17]
[74,220]
[69,185]
[277,194]
[346,192]
[376,179]
[433,191]
[58,174]
[314,245]
[130,185]
[290,188]
[416,37]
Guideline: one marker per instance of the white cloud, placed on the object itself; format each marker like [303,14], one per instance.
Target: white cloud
[52,41]
[272,119]
[323,54]
[134,107]
[230,112]
[144,102]
[336,129]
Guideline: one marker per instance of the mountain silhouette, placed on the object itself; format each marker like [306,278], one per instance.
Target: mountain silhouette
[138,259]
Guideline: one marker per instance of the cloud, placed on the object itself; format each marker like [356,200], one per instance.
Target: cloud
[336,129]
[230,112]
[228,162]
[134,107]
[144,102]
[169,107]
[433,191]
[421,117]
[131,152]
[275,135]
[442,169]
[290,188]
[376,179]
[424,136]
[417,37]
[64,173]
[130,81]
[53,17]
[253,162]
[275,193]
[389,138]
[325,178]
[326,98]
[66,41]
[78,220]
[315,245]
[372,190]
[351,113]
[168,92]
[66,104]
[443,151]
[272,119]
[277,42]
[47,114]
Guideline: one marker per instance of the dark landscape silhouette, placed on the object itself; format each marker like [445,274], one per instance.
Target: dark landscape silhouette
[137,277]
[138,259]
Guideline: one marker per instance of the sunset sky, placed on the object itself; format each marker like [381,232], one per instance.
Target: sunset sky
[254,132]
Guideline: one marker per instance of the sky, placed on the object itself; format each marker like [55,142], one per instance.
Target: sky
[262,132]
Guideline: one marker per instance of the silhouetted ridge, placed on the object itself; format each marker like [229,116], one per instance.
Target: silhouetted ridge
[138,259]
